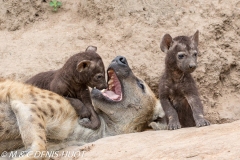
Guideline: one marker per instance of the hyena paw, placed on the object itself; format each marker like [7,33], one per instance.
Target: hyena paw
[202,122]
[157,126]
[174,125]
[83,121]
[90,123]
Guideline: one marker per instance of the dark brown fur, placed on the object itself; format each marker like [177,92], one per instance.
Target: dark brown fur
[178,92]
[72,81]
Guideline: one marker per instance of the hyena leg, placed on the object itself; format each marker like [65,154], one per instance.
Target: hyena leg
[32,128]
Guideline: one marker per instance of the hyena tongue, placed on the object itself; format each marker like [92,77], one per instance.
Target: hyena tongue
[111,95]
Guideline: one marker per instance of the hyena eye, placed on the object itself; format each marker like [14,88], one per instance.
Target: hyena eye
[195,53]
[140,85]
[99,76]
[181,56]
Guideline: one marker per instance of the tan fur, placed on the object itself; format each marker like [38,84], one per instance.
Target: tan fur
[29,111]
[41,120]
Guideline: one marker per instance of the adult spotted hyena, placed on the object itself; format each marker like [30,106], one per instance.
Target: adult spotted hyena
[41,120]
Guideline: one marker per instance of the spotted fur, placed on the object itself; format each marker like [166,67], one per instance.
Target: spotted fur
[41,120]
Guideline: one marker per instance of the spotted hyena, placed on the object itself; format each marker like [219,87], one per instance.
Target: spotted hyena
[72,80]
[41,120]
[178,92]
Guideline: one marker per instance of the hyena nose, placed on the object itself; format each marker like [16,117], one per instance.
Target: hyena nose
[192,66]
[104,86]
[121,60]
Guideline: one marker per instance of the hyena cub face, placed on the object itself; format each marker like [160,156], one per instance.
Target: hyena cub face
[183,51]
[187,59]
[98,80]
[94,69]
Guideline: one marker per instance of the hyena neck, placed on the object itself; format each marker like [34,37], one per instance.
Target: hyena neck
[71,78]
[175,75]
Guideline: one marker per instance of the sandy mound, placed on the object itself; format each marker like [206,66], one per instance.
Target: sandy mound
[34,39]
[213,142]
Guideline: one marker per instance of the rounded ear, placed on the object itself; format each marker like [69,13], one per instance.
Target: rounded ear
[91,48]
[81,66]
[195,37]
[166,43]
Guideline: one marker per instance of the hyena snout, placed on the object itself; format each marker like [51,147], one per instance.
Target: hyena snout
[102,86]
[192,66]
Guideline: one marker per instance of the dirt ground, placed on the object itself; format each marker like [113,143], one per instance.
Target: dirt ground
[216,142]
[35,39]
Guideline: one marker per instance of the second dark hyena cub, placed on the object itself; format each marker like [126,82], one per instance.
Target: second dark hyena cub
[72,80]
[178,92]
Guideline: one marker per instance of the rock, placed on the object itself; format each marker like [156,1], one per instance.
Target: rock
[211,142]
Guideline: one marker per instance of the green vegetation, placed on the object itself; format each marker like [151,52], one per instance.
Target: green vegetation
[55,4]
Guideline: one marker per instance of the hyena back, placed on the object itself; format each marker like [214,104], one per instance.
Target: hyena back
[27,115]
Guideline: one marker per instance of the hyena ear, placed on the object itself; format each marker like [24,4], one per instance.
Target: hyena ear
[83,65]
[166,43]
[195,37]
[91,48]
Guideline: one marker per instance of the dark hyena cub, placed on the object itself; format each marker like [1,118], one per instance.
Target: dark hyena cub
[178,92]
[72,80]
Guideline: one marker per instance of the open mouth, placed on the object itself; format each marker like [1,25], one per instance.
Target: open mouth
[114,90]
